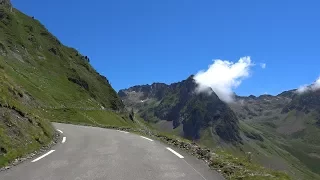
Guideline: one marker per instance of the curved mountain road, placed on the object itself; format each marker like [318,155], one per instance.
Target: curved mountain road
[91,153]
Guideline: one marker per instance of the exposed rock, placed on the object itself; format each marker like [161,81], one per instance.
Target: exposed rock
[5,2]
[179,103]
[305,102]
[53,50]
[3,51]
[79,82]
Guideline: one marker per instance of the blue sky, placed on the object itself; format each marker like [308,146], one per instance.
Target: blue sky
[145,41]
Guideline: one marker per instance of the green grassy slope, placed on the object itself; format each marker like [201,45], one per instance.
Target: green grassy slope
[53,73]
[225,162]
[100,118]
[22,128]
[270,150]
[285,143]
[41,80]
[288,125]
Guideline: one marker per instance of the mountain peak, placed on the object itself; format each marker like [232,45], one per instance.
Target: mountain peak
[191,76]
[180,105]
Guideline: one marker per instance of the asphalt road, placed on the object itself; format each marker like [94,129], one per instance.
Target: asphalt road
[90,153]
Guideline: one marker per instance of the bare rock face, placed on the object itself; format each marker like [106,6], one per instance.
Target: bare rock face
[5,2]
[179,104]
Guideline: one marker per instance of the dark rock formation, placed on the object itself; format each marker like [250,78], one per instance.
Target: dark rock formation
[179,103]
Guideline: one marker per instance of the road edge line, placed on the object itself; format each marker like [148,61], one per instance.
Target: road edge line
[60,131]
[195,169]
[146,138]
[123,131]
[46,154]
[175,153]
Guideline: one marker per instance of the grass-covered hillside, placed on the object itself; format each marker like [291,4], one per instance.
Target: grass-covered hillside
[56,75]
[282,131]
[22,128]
[41,80]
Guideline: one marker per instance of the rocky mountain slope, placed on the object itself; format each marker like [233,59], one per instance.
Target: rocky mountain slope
[41,80]
[280,131]
[187,112]
[5,3]
[290,114]
[289,122]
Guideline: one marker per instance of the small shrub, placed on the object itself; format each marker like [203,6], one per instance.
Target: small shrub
[3,150]
[53,50]
[29,28]
[79,82]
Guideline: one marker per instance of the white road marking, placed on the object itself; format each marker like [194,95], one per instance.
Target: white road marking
[60,131]
[46,154]
[64,139]
[146,138]
[177,154]
[195,169]
[123,131]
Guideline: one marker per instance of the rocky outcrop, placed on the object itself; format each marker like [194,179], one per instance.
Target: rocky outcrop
[5,2]
[155,90]
[265,105]
[305,102]
[180,104]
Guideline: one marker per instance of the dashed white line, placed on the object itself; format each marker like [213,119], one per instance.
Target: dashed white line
[195,170]
[123,131]
[146,138]
[64,139]
[46,154]
[60,131]
[177,154]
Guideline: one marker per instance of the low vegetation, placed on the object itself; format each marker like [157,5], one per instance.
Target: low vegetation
[230,166]
[281,132]
[41,80]
[101,118]
[22,130]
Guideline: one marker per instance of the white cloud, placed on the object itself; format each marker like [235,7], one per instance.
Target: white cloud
[313,87]
[223,77]
[302,89]
[316,85]
[263,65]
